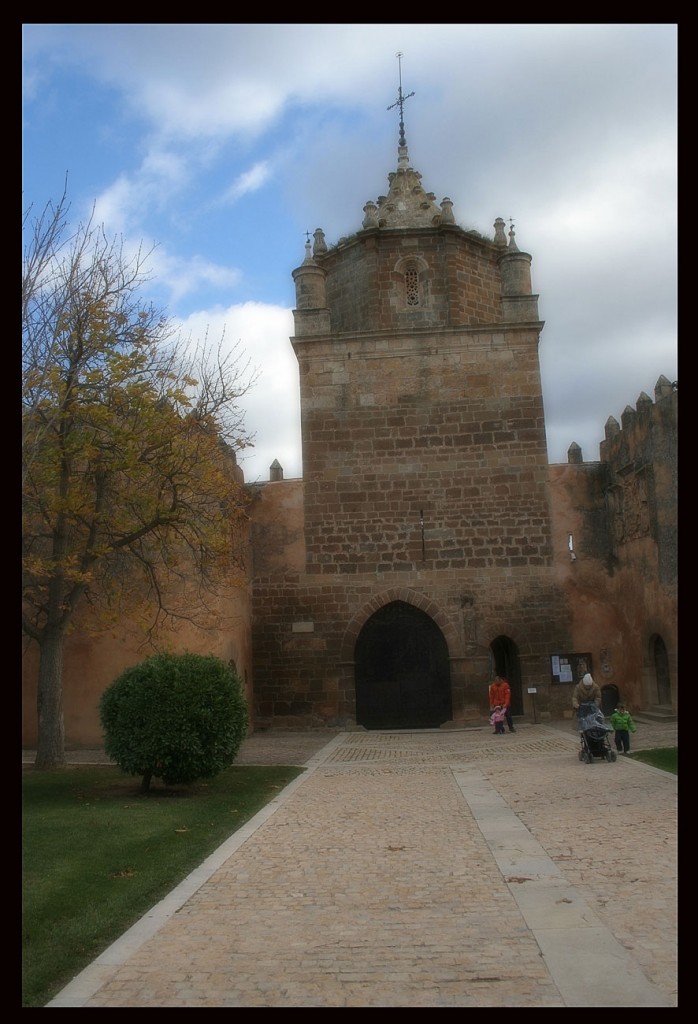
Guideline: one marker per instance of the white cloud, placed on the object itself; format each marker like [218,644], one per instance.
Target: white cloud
[249,181]
[182,278]
[131,198]
[116,205]
[570,129]
[165,169]
[271,407]
[226,107]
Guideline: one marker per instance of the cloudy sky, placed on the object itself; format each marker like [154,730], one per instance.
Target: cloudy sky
[222,144]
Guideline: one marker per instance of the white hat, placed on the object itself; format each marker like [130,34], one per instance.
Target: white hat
[587,680]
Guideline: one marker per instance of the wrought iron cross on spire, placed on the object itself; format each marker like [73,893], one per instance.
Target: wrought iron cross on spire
[400,100]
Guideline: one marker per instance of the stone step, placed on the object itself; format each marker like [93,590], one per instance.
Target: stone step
[658,713]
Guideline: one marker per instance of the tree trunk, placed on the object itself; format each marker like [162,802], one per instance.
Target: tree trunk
[50,751]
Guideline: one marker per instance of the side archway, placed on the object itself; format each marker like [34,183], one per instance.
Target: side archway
[505,655]
[609,698]
[660,664]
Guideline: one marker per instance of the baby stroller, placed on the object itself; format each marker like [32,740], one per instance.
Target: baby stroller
[594,734]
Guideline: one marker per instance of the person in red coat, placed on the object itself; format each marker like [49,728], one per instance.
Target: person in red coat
[500,693]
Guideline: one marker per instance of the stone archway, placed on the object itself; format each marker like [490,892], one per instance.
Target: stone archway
[402,673]
[609,698]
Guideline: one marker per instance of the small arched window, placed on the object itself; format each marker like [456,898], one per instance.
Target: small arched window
[412,285]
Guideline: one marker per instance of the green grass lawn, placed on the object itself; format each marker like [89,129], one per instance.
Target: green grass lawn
[666,758]
[97,854]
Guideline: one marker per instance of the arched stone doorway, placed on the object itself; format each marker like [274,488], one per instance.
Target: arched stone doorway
[402,672]
[660,660]
[505,655]
[609,698]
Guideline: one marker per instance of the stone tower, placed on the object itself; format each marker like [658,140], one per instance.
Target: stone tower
[426,558]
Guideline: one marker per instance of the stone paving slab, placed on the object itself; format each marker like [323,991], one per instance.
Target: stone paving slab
[583,956]
[417,874]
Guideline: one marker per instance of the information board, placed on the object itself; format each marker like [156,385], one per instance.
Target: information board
[569,668]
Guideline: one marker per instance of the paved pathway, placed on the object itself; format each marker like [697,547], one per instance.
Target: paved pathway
[444,868]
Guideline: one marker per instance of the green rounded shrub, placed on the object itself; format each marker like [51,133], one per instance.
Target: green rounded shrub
[175,717]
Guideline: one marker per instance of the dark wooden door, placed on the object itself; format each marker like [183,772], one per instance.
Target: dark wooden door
[402,671]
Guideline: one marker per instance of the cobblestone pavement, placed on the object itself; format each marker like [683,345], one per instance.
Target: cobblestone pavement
[295,748]
[444,868]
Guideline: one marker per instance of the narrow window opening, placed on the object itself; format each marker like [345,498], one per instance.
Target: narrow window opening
[412,286]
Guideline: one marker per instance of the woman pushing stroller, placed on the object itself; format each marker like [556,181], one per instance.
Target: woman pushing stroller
[593,731]
[585,692]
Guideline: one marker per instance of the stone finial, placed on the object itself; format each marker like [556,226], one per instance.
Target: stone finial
[403,158]
[662,388]
[308,253]
[319,244]
[627,417]
[447,211]
[371,215]
[612,427]
[513,247]
[407,204]
[499,237]
[276,471]
[574,454]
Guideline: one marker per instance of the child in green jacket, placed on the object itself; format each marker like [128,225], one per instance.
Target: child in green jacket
[624,725]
